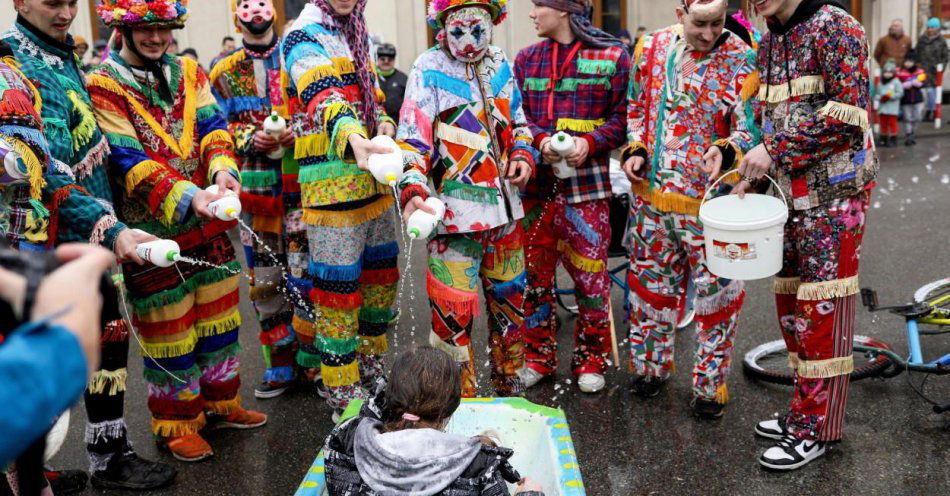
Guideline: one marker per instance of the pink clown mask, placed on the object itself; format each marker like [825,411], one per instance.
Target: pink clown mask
[468,33]
[255,15]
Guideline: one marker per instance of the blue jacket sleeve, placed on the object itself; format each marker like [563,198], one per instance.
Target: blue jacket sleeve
[42,372]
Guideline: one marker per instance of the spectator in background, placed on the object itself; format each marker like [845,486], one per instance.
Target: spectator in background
[94,60]
[641,32]
[624,36]
[889,93]
[81,46]
[391,80]
[913,78]
[932,51]
[173,47]
[227,48]
[894,45]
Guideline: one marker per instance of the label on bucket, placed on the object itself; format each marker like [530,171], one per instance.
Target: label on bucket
[734,251]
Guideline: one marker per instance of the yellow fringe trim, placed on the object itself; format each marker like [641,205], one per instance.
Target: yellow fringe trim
[722,394]
[793,360]
[226,64]
[665,201]
[33,167]
[316,74]
[173,349]
[824,369]
[347,218]
[827,290]
[343,65]
[221,163]
[311,146]
[806,85]
[786,285]
[458,353]
[215,291]
[373,345]
[461,137]
[340,376]
[171,201]
[579,125]
[223,407]
[638,51]
[83,132]
[114,379]
[218,136]
[267,224]
[750,87]
[229,322]
[634,147]
[848,114]
[174,428]
[723,143]
[303,327]
[578,260]
[138,173]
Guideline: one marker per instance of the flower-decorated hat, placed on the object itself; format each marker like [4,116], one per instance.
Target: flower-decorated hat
[132,13]
[439,9]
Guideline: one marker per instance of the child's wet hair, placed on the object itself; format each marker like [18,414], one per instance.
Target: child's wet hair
[424,382]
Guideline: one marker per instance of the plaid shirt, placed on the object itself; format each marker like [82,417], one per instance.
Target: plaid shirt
[589,101]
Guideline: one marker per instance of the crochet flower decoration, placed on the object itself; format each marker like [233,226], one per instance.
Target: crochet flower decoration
[130,13]
[438,9]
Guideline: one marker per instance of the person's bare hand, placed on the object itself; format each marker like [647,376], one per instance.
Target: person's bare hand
[363,148]
[264,142]
[83,266]
[227,182]
[518,172]
[547,153]
[386,128]
[528,485]
[126,243]
[712,163]
[416,203]
[581,150]
[287,139]
[632,168]
[201,200]
[754,166]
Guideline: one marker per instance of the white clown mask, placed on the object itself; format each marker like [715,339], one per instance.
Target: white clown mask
[256,15]
[468,33]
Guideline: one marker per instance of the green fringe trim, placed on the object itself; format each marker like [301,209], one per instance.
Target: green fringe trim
[536,84]
[527,222]
[123,141]
[462,191]
[307,360]
[171,296]
[571,84]
[377,315]
[594,303]
[215,357]
[467,247]
[599,67]
[344,124]
[162,378]
[327,170]
[336,346]
[258,179]
[206,112]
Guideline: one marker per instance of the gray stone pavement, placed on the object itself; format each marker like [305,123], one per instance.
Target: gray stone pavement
[894,444]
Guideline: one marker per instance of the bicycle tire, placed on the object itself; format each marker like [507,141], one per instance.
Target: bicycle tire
[930,294]
[752,368]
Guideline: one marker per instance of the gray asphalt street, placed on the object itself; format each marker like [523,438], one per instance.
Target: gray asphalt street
[894,444]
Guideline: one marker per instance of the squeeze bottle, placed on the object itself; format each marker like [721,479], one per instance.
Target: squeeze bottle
[386,167]
[422,223]
[274,126]
[227,208]
[161,252]
[563,144]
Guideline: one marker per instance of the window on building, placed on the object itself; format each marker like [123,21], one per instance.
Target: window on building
[610,15]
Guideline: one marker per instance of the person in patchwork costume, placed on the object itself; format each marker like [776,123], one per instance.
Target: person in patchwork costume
[466,140]
[573,81]
[690,115]
[78,208]
[249,85]
[170,140]
[335,108]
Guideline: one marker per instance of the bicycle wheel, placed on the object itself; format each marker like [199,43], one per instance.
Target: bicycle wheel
[936,295]
[768,362]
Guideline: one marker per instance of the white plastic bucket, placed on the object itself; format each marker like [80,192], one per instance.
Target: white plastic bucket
[744,236]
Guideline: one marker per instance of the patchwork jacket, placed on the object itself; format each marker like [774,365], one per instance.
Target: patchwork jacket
[681,103]
[80,201]
[816,101]
[459,124]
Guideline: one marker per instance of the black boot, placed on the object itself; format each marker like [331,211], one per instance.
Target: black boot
[885,141]
[64,482]
[128,471]
[929,116]
[908,140]
[893,141]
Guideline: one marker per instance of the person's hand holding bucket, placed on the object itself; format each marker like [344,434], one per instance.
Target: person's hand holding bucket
[755,165]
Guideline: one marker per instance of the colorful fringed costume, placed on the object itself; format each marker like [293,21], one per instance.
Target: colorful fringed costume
[682,103]
[347,213]
[816,128]
[249,84]
[78,208]
[582,90]
[163,152]
[457,130]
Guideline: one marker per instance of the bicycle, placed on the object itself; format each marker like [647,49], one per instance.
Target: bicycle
[875,358]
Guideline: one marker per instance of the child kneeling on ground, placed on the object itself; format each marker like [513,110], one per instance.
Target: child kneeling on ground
[397,445]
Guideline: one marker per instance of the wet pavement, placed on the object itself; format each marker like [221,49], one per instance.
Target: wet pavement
[893,444]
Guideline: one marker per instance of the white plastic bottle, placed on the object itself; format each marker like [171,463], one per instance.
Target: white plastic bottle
[227,208]
[161,252]
[422,223]
[275,126]
[386,167]
[563,144]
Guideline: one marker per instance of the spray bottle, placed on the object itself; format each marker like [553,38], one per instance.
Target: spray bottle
[275,126]
[422,223]
[386,167]
[227,208]
[563,144]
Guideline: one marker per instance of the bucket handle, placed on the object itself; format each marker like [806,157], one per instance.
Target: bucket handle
[736,171]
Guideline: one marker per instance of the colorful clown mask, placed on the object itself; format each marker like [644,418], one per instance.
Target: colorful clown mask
[468,32]
[257,16]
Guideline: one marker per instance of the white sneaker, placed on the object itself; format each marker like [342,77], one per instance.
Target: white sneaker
[335,417]
[591,383]
[529,376]
[791,453]
[687,319]
[771,429]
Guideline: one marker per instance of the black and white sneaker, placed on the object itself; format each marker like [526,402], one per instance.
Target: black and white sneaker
[771,429]
[266,390]
[791,453]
